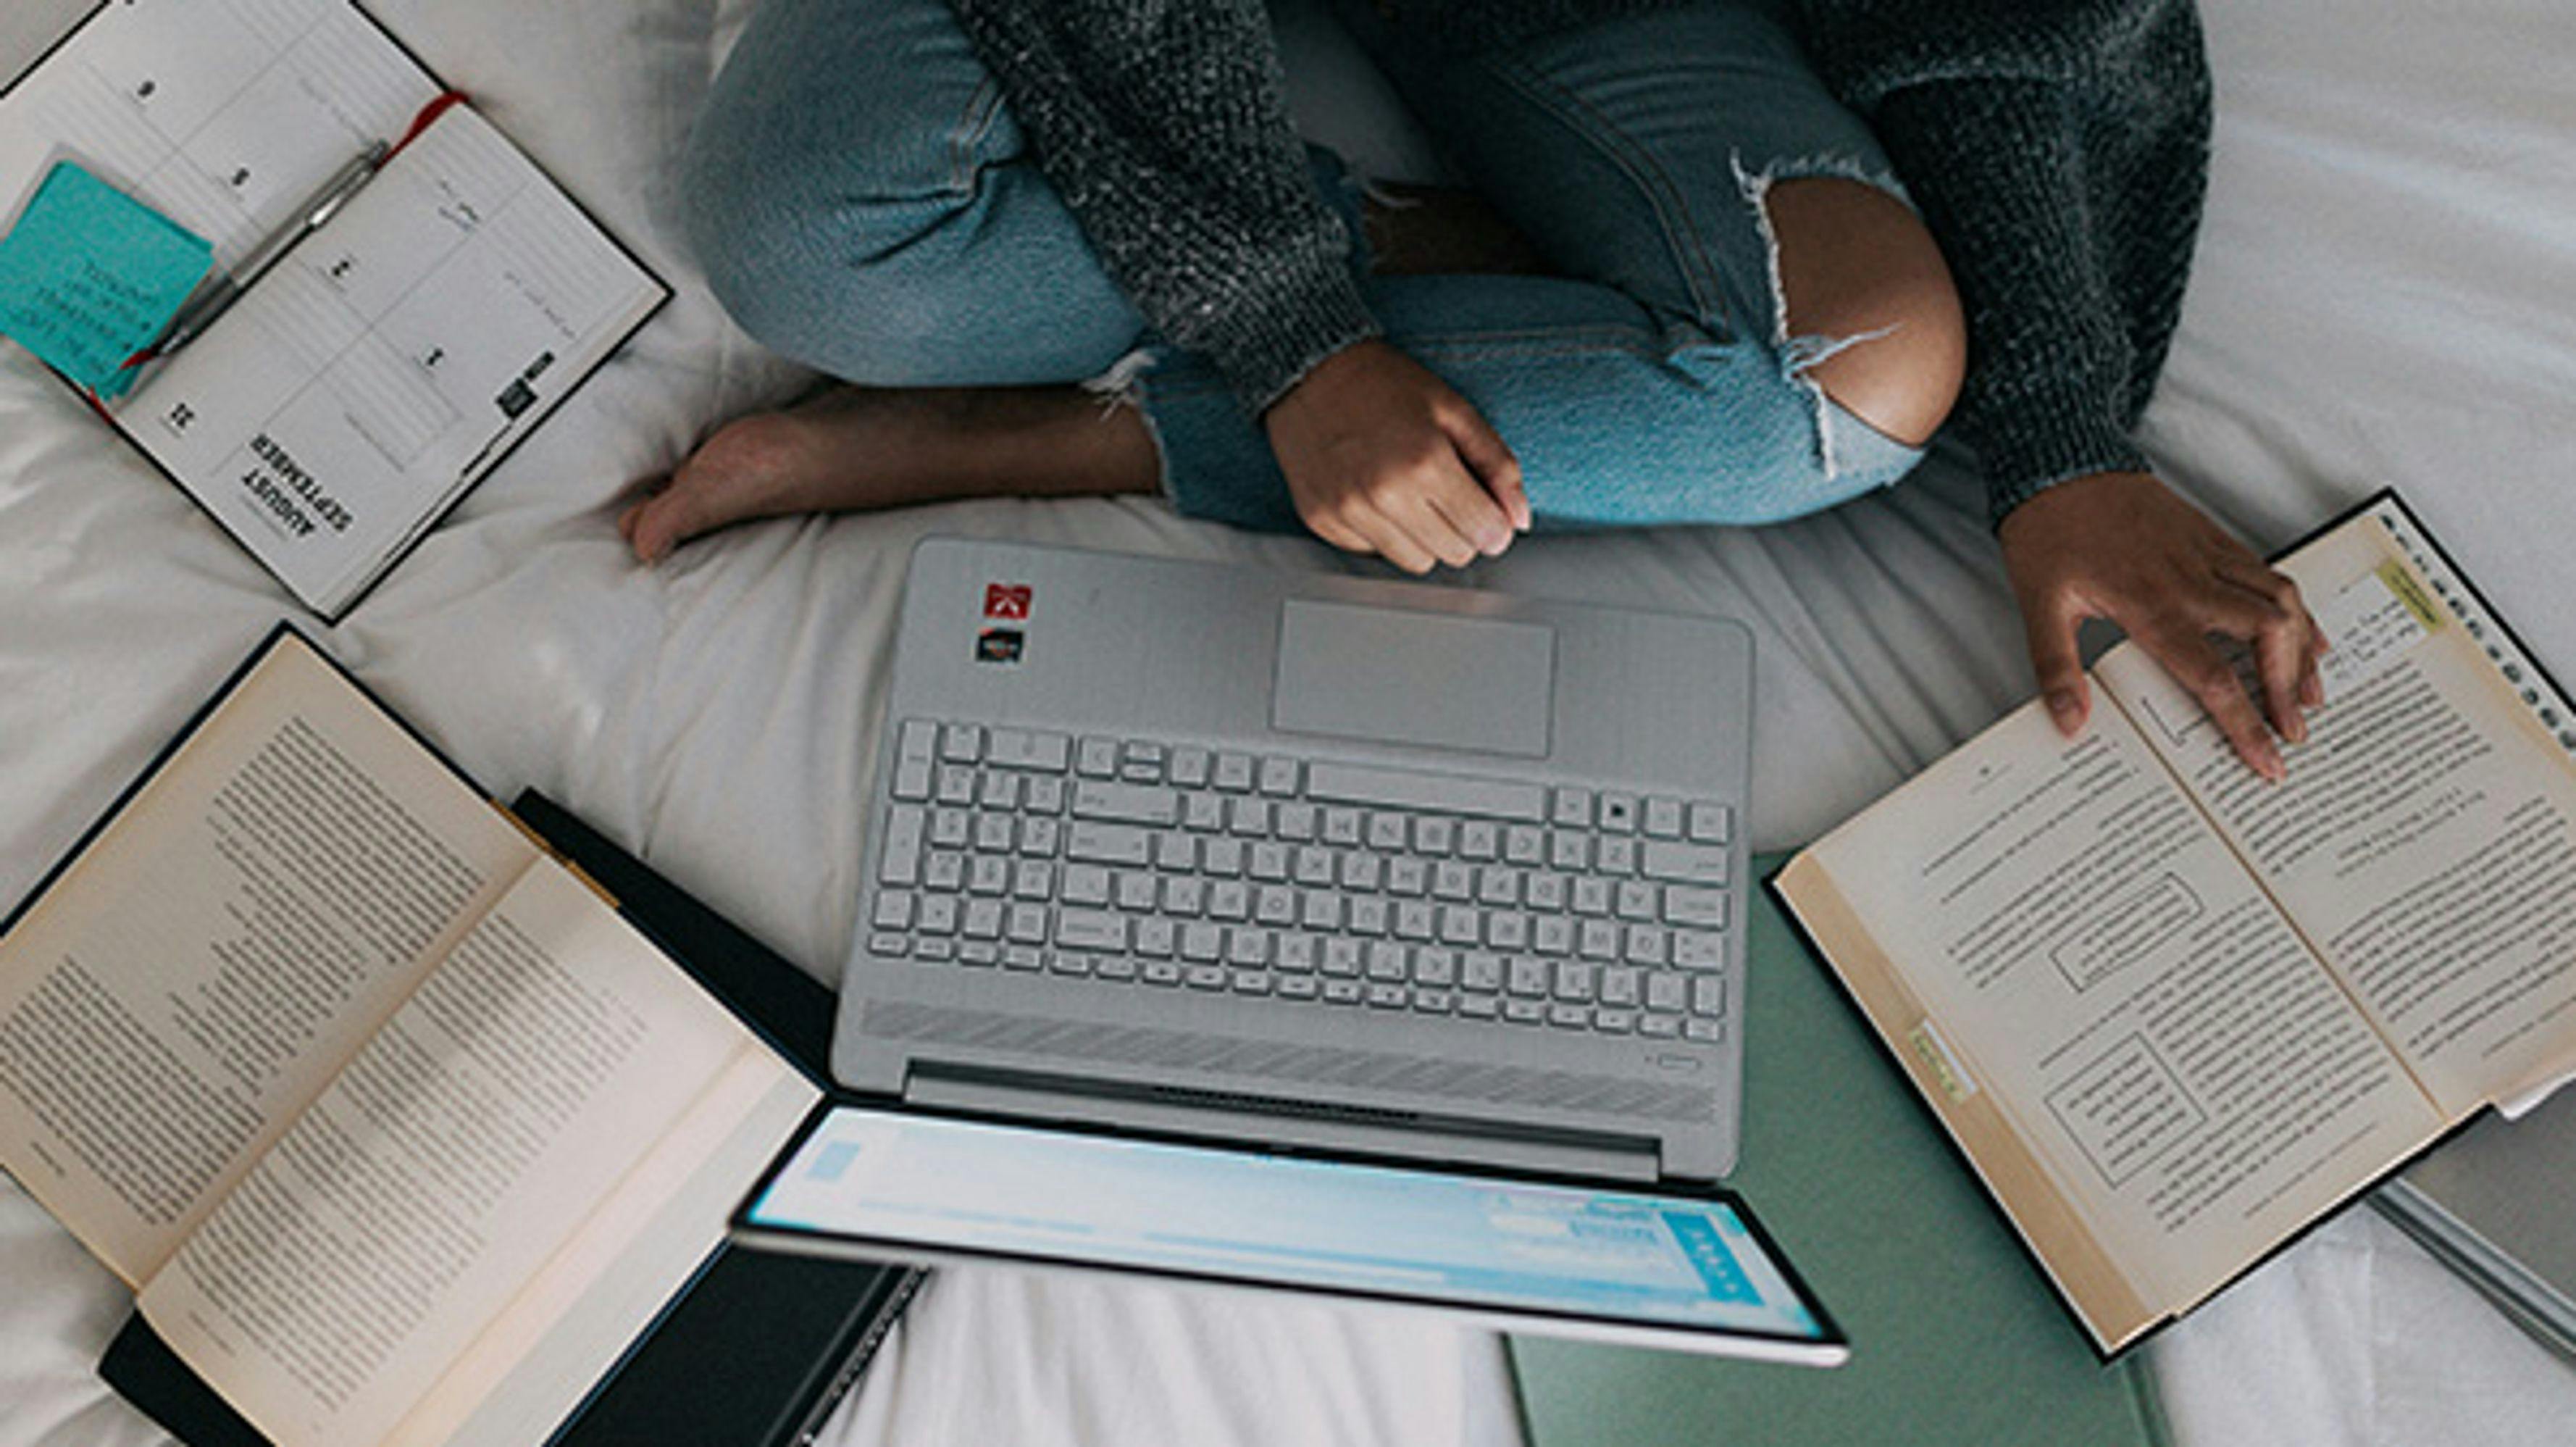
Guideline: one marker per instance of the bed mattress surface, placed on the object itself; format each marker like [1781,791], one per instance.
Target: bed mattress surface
[2382,296]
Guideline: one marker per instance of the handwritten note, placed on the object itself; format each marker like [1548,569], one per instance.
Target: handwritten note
[89,276]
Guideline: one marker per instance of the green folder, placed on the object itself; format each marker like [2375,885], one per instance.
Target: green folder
[1956,1337]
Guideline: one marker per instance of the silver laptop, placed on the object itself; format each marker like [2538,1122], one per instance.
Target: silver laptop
[1284,859]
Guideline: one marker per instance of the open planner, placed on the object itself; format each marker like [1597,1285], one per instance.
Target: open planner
[364,381]
[2173,1015]
[401,1131]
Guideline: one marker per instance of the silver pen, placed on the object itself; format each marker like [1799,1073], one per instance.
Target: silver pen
[211,300]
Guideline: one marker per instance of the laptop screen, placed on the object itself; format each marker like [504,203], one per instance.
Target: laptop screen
[1554,1250]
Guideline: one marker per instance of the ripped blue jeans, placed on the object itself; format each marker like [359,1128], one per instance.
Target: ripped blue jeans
[864,203]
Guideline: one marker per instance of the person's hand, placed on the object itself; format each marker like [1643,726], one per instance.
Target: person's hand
[1383,457]
[2123,546]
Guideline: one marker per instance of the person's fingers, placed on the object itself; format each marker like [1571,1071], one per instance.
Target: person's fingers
[1334,531]
[2060,668]
[2232,609]
[1471,512]
[1491,459]
[1391,540]
[2281,659]
[2199,668]
[1417,511]
[2285,648]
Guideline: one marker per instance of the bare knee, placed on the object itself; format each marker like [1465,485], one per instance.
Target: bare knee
[1854,262]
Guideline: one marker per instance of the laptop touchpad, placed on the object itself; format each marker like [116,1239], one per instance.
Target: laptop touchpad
[1414,678]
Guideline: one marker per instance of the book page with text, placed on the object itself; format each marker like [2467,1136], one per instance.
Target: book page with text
[2425,837]
[222,948]
[526,1079]
[2091,956]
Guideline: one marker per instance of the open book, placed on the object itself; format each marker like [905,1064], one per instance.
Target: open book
[362,384]
[401,1133]
[2173,1015]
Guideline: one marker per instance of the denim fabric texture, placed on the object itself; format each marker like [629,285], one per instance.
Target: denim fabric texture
[862,202]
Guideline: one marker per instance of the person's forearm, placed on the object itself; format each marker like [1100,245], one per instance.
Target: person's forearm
[2058,152]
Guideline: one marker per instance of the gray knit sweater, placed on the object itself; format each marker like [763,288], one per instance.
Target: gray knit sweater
[2058,148]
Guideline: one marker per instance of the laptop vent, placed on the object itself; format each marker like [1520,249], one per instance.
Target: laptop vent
[1242,1059]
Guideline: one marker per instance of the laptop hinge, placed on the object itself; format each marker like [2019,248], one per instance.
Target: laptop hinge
[1237,1118]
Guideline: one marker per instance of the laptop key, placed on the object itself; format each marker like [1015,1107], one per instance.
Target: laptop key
[1683,863]
[1337,783]
[1699,949]
[1090,929]
[1572,808]
[937,915]
[1234,772]
[1665,991]
[902,860]
[1708,995]
[1698,908]
[1096,758]
[1125,803]
[917,741]
[1710,823]
[1664,818]
[1107,843]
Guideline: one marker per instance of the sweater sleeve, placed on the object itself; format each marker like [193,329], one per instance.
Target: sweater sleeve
[1164,125]
[2059,151]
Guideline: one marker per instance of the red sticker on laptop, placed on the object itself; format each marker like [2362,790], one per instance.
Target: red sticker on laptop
[1008,601]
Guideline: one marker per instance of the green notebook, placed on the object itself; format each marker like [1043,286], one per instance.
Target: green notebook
[1956,1337]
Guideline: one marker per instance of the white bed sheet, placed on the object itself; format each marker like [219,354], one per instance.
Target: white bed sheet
[2380,297]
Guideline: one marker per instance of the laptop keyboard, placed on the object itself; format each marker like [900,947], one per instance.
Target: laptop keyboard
[1145,864]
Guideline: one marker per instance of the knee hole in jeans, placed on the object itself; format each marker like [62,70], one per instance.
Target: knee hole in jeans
[1861,275]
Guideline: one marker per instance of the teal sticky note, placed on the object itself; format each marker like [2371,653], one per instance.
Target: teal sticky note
[89,276]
